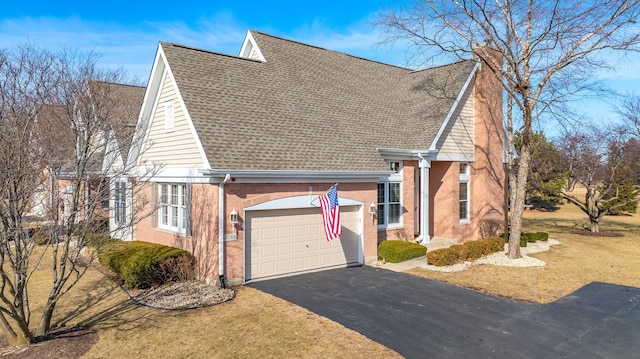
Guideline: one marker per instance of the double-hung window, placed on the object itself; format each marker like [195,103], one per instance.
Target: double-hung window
[464,192]
[120,203]
[389,204]
[172,206]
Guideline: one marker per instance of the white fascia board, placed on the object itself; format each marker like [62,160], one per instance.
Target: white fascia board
[395,154]
[160,71]
[254,176]
[453,108]
[248,44]
[454,158]
[148,105]
[203,155]
[302,201]
[175,174]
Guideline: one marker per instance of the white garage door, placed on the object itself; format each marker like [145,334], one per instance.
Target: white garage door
[287,241]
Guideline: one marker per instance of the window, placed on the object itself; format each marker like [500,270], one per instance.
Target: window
[464,192]
[168,116]
[395,166]
[172,206]
[120,203]
[104,194]
[389,203]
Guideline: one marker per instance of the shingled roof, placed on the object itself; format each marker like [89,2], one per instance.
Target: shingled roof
[307,108]
[124,107]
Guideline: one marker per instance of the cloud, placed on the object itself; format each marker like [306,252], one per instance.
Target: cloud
[131,47]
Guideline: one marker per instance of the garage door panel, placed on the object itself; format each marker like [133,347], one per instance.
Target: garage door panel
[298,236]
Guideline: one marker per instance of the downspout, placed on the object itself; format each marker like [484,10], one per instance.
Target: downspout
[221,230]
[424,199]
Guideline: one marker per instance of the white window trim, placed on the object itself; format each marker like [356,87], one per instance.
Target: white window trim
[465,178]
[386,182]
[180,207]
[120,203]
[169,116]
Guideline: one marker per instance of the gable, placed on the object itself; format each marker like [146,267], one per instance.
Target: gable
[250,49]
[457,140]
[178,146]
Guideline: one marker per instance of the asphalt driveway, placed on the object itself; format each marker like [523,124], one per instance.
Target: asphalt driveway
[422,318]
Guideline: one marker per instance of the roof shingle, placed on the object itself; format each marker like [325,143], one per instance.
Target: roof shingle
[307,108]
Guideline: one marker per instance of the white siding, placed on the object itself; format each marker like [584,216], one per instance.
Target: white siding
[254,54]
[457,139]
[175,148]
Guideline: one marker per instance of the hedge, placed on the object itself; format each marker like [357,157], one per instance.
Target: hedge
[465,251]
[527,237]
[143,264]
[395,251]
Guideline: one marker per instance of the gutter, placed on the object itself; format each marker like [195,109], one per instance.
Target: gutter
[269,176]
[424,165]
[221,230]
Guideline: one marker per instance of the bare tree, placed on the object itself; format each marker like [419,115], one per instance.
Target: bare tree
[547,50]
[597,161]
[629,110]
[58,113]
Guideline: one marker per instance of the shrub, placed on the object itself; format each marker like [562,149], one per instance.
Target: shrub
[395,251]
[142,264]
[43,235]
[527,237]
[462,252]
[443,257]
[493,245]
[96,240]
[465,251]
[474,249]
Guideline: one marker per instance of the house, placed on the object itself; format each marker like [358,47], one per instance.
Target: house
[82,146]
[417,155]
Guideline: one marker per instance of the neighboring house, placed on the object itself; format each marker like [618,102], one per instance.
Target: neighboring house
[126,103]
[416,155]
[113,112]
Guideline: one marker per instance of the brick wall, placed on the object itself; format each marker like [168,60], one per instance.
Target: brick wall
[203,242]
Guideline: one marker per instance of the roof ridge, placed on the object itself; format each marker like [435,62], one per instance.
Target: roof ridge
[118,83]
[329,50]
[443,65]
[207,51]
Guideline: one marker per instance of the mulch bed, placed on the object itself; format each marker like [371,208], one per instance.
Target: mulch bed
[584,232]
[68,343]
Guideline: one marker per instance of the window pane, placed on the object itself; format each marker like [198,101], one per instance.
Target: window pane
[464,201]
[163,215]
[380,192]
[381,214]
[174,216]
[164,194]
[174,194]
[463,209]
[394,213]
[394,192]
[463,191]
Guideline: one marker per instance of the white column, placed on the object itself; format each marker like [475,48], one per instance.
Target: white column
[424,165]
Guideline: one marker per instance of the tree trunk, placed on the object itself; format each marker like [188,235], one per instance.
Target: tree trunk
[47,314]
[595,225]
[518,195]
[20,334]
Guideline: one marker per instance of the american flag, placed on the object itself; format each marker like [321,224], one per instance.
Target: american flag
[331,214]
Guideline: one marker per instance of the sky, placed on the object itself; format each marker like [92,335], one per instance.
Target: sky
[126,33]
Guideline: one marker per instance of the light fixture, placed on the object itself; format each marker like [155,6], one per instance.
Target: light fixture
[233,217]
[372,210]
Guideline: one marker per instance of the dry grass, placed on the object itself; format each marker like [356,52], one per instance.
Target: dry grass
[577,261]
[252,325]
[255,324]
